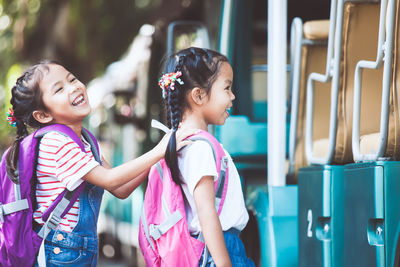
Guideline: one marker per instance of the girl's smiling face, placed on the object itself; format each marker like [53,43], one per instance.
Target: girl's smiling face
[64,97]
[216,109]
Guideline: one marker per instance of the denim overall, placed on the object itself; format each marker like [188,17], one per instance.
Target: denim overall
[235,249]
[80,247]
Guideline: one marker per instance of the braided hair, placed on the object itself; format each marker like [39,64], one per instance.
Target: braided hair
[26,97]
[199,68]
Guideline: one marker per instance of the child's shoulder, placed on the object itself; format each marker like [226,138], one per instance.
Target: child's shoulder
[206,141]
[197,147]
[199,144]
[55,138]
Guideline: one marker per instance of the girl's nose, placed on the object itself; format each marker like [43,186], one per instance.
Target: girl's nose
[232,96]
[73,87]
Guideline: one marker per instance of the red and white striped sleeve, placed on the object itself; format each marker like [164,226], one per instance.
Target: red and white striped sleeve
[71,163]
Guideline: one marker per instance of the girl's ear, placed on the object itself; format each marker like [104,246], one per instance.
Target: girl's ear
[197,95]
[42,116]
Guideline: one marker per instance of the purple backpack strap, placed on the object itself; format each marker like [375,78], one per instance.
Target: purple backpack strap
[61,128]
[69,196]
[61,205]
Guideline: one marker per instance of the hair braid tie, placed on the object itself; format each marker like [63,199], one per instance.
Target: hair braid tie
[12,120]
[167,82]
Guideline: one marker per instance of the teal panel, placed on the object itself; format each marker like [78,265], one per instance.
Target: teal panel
[111,206]
[363,213]
[106,203]
[283,227]
[337,207]
[243,138]
[137,198]
[276,214]
[392,212]
[124,210]
[260,110]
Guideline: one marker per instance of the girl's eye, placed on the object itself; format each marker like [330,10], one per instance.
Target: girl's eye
[73,80]
[58,89]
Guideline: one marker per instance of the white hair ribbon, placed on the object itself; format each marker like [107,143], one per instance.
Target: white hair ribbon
[158,125]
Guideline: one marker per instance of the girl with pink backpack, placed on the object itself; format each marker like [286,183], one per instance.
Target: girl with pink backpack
[197,92]
[66,160]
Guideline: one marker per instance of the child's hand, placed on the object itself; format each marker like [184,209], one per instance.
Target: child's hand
[181,135]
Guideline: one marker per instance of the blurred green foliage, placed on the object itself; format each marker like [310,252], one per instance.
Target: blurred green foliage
[85,36]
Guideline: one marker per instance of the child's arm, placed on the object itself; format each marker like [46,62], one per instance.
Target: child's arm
[112,179]
[204,198]
[125,190]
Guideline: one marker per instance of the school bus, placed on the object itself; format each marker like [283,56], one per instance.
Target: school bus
[313,130]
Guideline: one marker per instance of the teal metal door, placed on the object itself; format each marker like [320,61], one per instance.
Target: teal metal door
[310,208]
[363,215]
[321,216]
[392,212]
[372,214]
[315,228]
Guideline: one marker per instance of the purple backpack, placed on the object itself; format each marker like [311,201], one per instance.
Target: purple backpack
[19,243]
[164,237]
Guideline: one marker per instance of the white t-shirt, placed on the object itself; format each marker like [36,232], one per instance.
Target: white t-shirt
[61,164]
[196,161]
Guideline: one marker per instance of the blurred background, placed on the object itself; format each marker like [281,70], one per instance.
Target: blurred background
[116,48]
[86,37]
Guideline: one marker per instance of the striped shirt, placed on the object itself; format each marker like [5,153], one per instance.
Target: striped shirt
[61,164]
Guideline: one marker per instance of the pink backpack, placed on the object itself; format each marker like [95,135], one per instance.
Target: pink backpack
[164,236]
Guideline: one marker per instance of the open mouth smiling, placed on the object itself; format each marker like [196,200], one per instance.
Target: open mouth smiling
[79,100]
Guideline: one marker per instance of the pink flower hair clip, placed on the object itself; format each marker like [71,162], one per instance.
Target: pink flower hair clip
[11,118]
[167,81]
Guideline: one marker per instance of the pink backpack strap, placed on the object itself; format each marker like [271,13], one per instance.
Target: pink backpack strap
[221,185]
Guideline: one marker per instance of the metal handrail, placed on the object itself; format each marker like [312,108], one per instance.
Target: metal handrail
[332,73]
[296,36]
[384,53]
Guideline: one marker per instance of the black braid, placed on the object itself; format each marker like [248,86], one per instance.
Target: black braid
[200,68]
[168,114]
[26,97]
[174,111]
[18,92]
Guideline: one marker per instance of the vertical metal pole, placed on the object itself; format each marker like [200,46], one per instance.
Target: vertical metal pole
[225,26]
[277,21]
